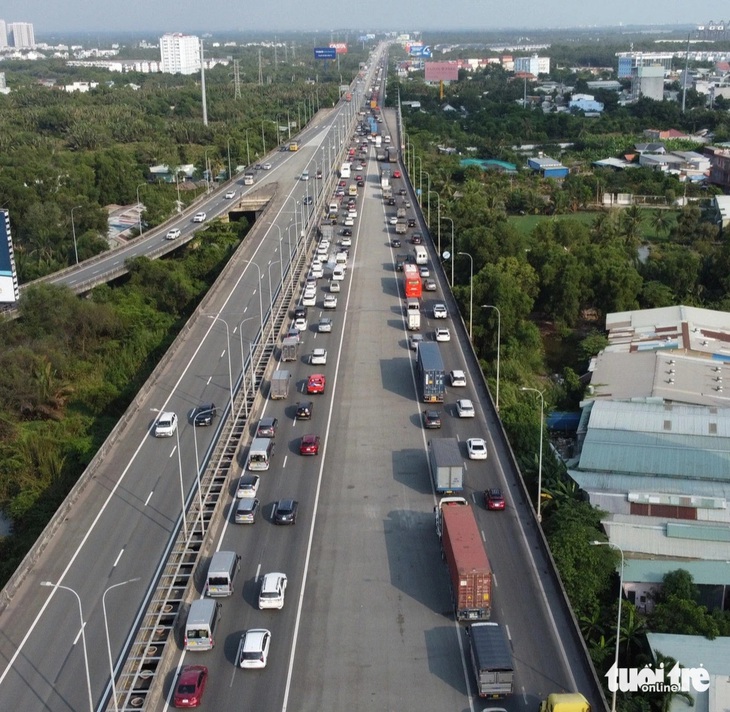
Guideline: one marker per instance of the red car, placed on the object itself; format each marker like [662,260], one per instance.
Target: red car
[309,445]
[396,174]
[316,383]
[493,498]
[342,183]
[190,686]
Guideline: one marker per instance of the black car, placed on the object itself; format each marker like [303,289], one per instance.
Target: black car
[304,410]
[391,201]
[402,191]
[267,427]
[285,511]
[431,419]
[307,200]
[204,414]
[346,232]
[416,238]
[395,242]
[300,313]
[411,222]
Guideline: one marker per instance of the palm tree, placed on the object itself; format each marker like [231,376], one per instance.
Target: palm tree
[661,222]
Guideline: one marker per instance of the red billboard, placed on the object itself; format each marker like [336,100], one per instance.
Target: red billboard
[339,47]
[442,71]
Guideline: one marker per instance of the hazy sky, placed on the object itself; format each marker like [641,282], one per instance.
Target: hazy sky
[198,16]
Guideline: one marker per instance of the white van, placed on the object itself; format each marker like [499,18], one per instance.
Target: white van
[259,454]
[221,572]
[200,624]
[419,252]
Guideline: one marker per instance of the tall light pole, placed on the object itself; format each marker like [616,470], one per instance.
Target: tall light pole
[281,261]
[248,150]
[263,138]
[539,459]
[207,172]
[108,642]
[73,231]
[438,216]
[499,343]
[139,208]
[230,174]
[261,301]
[428,186]
[217,317]
[471,290]
[180,474]
[196,414]
[243,362]
[83,636]
[620,597]
[271,294]
[452,246]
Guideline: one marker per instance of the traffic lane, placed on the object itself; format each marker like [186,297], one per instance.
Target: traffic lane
[368,557]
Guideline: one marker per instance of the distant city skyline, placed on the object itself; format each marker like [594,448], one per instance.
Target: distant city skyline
[67,16]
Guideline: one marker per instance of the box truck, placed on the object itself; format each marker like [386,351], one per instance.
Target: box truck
[446,462]
[280,384]
[491,659]
[431,373]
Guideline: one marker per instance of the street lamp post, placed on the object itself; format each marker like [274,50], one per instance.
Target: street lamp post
[471,290]
[499,343]
[620,597]
[139,208]
[452,246]
[108,642]
[73,231]
[217,317]
[230,175]
[281,261]
[83,636]
[261,301]
[207,172]
[248,150]
[420,175]
[428,186]
[196,414]
[539,458]
[428,211]
[271,295]
[263,137]
[243,365]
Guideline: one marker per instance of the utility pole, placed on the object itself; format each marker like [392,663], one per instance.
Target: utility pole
[261,76]
[202,84]
[236,79]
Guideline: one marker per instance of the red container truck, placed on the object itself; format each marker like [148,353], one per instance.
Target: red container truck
[469,570]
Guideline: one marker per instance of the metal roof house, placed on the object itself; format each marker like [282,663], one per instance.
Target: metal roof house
[547,167]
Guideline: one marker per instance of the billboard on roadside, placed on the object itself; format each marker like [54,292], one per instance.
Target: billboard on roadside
[339,47]
[442,72]
[9,292]
[325,53]
[418,49]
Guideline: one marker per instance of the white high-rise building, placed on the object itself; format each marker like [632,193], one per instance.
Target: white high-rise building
[22,34]
[3,34]
[180,54]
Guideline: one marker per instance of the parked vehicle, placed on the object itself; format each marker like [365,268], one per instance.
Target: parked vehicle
[431,372]
[447,465]
[491,659]
[280,384]
[469,569]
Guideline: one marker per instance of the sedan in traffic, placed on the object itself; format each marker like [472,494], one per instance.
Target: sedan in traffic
[442,334]
[199,217]
[190,686]
[166,425]
[440,311]
[309,445]
[330,301]
[318,357]
[173,234]
[316,384]
[494,499]
[204,415]
[431,419]
[285,511]
[465,408]
[253,650]
[476,448]
[325,325]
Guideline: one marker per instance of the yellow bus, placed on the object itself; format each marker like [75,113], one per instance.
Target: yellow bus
[293,146]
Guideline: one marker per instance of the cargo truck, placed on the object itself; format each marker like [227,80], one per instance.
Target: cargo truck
[384,182]
[446,462]
[280,384]
[413,314]
[453,501]
[327,231]
[565,702]
[289,349]
[380,155]
[491,659]
[387,193]
[400,213]
[469,570]
[401,227]
[431,372]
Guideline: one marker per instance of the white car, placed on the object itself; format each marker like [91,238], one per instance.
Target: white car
[443,334]
[348,222]
[338,273]
[253,650]
[465,408]
[440,311]
[310,291]
[318,357]
[330,301]
[230,195]
[423,271]
[173,234]
[317,270]
[273,587]
[352,213]
[414,340]
[309,300]
[457,378]
[199,217]
[248,485]
[323,248]
[334,287]
[305,175]
[300,324]
[393,220]
[346,241]
[166,425]
[266,166]
[325,325]
[477,448]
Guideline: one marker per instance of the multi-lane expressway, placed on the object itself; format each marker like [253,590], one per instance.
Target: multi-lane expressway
[367,620]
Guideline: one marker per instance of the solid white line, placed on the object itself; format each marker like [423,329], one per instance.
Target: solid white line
[147,501]
[119,556]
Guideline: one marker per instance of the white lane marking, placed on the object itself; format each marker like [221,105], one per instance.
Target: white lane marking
[119,556]
[285,459]
[149,497]
[258,571]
